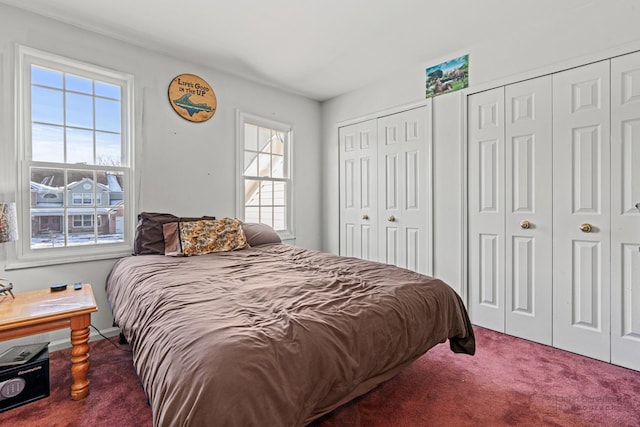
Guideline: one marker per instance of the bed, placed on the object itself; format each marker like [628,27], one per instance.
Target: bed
[272,334]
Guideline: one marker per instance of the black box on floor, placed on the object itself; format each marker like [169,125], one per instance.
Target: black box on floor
[24,383]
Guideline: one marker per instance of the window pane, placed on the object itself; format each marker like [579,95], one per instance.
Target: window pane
[46,105]
[114,189]
[47,143]
[79,84]
[279,193]
[47,228]
[279,218]
[107,90]
[111,224]
[101,189]
[79,109]
[79,181]
[108,115]
[264,138]
[277,145]
[277,166]
[46,77]
[79,146]
[264,165]
[250,137]
[108,149]
[251,192]
[266,193]
[251,163]
[252,214]
[266,215]
[81,229]
[114,232]
[47,188]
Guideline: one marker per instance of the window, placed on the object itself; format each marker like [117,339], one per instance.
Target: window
[74,191]
[265,186]
[86,199]
[84,221]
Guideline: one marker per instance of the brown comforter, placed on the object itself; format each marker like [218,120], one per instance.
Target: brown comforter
[274,335]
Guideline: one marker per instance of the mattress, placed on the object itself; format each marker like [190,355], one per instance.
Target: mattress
[274,335]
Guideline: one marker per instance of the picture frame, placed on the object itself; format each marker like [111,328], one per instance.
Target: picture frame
[448,76]
[192,98]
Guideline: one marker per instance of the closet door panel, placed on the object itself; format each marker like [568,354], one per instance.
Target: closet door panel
[404,183]
[581,210]
[358,190]
[390,212]
[486,209]
[528,193]
[625,211]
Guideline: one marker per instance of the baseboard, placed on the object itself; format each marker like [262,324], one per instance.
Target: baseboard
[93,335]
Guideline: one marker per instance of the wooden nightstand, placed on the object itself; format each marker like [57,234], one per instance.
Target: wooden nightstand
[35,312]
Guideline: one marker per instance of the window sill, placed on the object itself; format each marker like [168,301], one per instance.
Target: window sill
[14,263]
[286,236]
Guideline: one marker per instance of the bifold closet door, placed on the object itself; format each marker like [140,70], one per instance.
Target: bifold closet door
[486,209]
[581,210]
[528,210]
[403,182]
[625,211]
[358,190]
[510,222]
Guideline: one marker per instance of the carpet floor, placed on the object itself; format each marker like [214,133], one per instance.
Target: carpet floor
[509,382]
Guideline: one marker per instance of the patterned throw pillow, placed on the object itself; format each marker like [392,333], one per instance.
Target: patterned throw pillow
[207,236]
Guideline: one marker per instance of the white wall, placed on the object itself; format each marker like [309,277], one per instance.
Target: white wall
[596,31]
[183,167]
[175,155]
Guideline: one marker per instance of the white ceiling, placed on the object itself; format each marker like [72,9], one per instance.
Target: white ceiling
[317,48]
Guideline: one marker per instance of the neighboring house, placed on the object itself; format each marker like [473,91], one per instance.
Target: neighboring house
[86,202]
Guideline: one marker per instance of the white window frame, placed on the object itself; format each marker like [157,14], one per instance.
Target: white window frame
[243,118]
[24,255]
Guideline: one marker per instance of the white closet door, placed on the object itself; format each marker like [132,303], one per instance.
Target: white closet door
[358,190]
[581,210]
[625,211]
[528,193]
[486,209]
[403,171]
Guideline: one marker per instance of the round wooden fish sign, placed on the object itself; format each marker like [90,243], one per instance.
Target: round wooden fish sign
[192,98]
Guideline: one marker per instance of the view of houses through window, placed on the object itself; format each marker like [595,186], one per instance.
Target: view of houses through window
[74,207]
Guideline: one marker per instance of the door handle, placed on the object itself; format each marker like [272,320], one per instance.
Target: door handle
[365,217]
[392,218]
[586,228]
[525,225]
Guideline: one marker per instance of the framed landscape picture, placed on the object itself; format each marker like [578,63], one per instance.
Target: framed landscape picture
[447,77]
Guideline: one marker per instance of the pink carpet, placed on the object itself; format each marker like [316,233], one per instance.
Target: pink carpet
[509,382]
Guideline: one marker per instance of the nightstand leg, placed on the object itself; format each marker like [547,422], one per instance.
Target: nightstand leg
[80,356]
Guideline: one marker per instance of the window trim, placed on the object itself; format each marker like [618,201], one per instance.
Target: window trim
[241,119]
[24,256]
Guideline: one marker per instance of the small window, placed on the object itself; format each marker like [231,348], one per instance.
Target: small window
[83,221]
[264,148]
